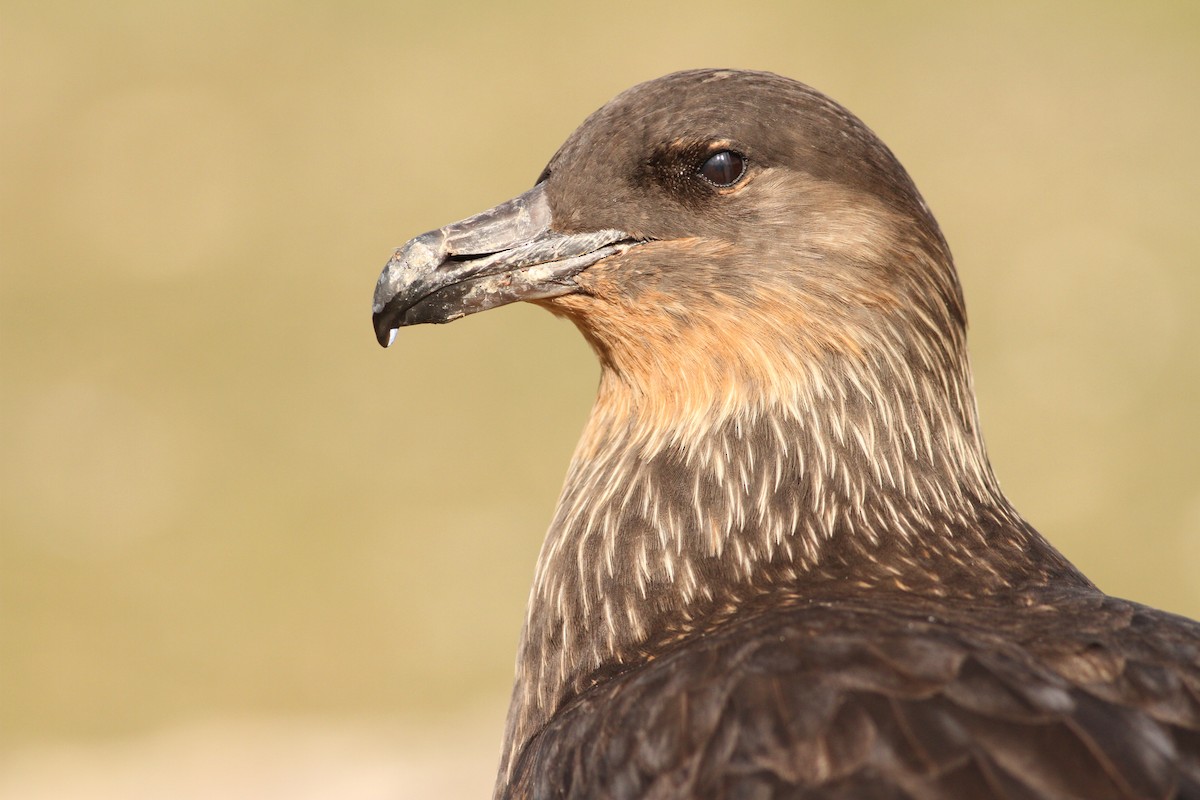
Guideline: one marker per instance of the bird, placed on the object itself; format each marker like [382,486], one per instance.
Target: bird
[781,565]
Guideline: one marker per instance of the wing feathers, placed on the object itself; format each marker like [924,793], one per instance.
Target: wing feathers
[821,702]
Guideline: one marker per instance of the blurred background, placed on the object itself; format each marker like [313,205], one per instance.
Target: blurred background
[247,553]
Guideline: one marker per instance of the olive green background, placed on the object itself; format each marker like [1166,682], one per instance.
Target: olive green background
[221,500]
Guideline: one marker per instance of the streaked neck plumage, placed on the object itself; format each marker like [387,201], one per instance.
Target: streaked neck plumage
[771,469]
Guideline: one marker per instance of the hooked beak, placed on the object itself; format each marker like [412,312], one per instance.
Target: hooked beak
[505,254]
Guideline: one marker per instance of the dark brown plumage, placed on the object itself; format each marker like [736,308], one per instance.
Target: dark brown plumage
[781,565]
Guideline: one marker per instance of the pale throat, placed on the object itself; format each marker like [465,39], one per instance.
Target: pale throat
[696,488]
[755,457]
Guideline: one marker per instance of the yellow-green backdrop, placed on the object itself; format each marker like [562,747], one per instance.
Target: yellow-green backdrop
[246,552]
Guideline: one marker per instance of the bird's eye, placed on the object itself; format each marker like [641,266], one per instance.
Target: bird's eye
[724,168]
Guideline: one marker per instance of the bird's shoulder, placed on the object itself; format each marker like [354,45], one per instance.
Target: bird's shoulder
[1070,694]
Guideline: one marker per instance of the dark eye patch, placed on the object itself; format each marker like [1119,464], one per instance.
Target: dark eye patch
[679,168]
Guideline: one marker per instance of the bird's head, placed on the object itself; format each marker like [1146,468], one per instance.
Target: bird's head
[785,388]
[713,233]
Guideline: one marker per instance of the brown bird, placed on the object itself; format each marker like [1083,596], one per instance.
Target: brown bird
[781,565]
